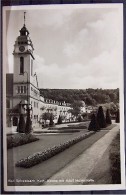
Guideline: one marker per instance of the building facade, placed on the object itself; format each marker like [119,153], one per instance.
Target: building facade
[22,87]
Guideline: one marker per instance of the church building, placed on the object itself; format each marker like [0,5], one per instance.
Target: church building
[22,86]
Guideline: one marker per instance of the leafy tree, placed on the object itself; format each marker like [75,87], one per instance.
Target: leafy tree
[101,117]
[76,108]
[108,118]
[46,116]
[90,101]
[117,116]
[59,120]
[93,126]
[21,124]
[90,96]
[28,127]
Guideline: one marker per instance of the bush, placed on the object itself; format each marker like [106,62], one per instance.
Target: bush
[57,131]
[101,118]
[115,160]
[67,128]
[108,118]
[59,120]
[21,124]
[93,126]
[117,116]
[42,156]
[19,139]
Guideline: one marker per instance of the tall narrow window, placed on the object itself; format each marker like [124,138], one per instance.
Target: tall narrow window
[21,89]
[31,67]
[8,103]
[18,89]
[21,65]
[24,89]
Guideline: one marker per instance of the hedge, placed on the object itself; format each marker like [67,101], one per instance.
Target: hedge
[19,139]
[67,128]
[114,155]
[38,157]
[57,131]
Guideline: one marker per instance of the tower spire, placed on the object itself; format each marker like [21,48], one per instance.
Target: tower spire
[24,18]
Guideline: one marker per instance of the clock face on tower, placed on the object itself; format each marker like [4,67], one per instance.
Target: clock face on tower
[21,48]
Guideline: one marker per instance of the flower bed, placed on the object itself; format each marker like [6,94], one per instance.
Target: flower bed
[57,131]
[68,128]
[38,157]
[19,139]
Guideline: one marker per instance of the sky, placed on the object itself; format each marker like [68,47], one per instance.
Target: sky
[75,47]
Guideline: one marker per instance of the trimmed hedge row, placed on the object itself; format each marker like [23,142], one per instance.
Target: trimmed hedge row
[57,131]
[38,157]
[19,139]
[68,128]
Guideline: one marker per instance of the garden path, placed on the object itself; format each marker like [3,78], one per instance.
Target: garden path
[90,166]
[47,168]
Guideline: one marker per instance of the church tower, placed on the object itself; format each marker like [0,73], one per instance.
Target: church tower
[25,85]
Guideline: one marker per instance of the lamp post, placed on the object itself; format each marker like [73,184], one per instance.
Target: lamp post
[27,85]
[28,126]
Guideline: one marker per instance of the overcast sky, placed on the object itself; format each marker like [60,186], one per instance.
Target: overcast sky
[74,47]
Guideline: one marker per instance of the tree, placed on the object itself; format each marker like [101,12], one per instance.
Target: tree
[93,126]
[101,117]
[108,118]
[28,127]
[117,116]
[51,123]
[79,118]
[21,124]
[59,120]
[46,116]
[76,108]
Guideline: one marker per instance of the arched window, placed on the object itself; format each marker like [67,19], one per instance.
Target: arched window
[21,65]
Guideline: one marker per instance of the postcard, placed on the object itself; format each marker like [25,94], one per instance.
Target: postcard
[63,98]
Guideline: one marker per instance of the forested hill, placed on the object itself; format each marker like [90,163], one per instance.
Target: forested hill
[90,96]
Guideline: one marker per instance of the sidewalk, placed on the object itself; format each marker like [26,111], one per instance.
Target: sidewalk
[78,170]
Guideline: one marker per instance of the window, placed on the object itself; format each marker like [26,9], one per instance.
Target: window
[24,89]
[18,91]
[21,89]
[21,65]
[8,103]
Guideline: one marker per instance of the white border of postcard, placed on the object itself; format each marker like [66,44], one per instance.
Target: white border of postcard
[63,187]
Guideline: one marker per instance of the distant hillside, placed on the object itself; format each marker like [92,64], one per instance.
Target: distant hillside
[90,96]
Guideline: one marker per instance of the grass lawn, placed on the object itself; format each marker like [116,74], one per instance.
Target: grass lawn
[46,169]
[19,139]
[115,160]
[38,157]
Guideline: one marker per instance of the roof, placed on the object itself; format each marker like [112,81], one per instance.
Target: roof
[9,84]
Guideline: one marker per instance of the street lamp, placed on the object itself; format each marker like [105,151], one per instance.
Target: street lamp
[27,84]
[27,107]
